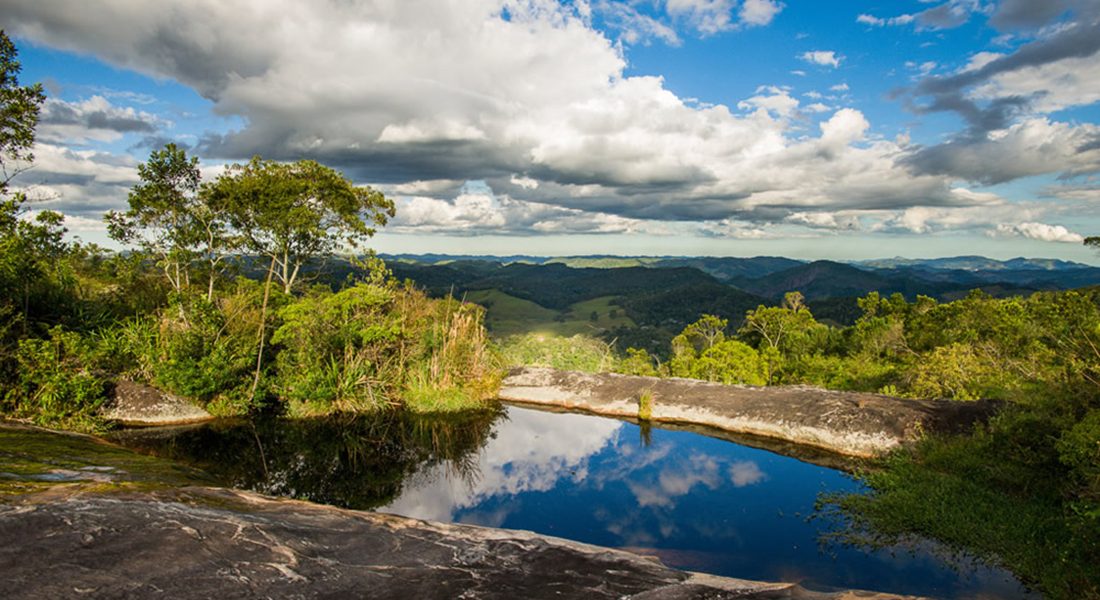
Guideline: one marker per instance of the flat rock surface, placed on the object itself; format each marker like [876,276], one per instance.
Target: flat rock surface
[200,542]
[138,404]
[849,423]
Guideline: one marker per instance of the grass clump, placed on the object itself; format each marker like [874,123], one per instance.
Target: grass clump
[645,406]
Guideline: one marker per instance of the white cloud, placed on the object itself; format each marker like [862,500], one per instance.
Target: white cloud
[530,453]
[847,125]
[987,211]
[1033,146]
[708,16]
[1040,231]
[473,96]
[826,220]
[770,98]
[759,12]
[80,183]
[634,27]
[93,119]
[745,473]
[880,22]
[1057,85]
[840,87]
[477,210]
[825,58]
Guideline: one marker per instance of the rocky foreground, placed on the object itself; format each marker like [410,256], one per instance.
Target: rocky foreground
[849,423]
[218,543]
[82,519]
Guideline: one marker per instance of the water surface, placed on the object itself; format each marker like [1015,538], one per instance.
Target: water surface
[697,502]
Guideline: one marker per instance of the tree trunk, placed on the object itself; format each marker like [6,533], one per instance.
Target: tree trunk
[210,286]
[263,329]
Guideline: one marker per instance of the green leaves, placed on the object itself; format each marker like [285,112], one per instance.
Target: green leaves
[19,108]
[294,212]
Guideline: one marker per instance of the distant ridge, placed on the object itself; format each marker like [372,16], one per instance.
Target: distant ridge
[755,266]
[974,263]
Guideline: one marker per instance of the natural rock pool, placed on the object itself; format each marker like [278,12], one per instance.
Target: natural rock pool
[697,502]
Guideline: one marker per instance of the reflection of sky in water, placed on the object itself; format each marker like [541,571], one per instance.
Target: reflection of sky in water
[698,503]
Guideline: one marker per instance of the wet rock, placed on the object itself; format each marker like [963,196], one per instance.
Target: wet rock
[848,423]
[200,542]
[137,404]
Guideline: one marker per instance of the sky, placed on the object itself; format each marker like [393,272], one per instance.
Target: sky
[844,129]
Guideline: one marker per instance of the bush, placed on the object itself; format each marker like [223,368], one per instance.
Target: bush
[373,345]
[577,353]
[637,362]
[954,371]
[729,362]
[56,384]
[197,350]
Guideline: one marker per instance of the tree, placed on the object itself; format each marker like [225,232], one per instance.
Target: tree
[786,329]
[19,108]
[694,340]
[731,362]
[175,219]
[30,252]
[292,213]
[28,249]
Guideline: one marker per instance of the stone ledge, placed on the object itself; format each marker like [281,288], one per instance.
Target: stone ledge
[848,423]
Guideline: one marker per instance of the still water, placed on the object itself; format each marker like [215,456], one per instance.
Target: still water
[697,502]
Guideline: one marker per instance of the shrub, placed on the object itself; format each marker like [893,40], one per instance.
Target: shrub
[637,362]
[56,383]
[577,353]
[954,371]
[373,345]
[729,362]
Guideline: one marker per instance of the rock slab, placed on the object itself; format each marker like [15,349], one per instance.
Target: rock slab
[199,542]
[140,405]
[848,423]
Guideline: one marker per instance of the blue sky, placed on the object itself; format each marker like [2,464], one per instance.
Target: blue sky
[811,129]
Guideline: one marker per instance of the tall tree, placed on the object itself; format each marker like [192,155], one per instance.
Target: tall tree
[175,219]
[27,248]
[19,108]
[291,213]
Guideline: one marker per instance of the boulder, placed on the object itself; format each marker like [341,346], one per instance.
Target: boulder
[138,404]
